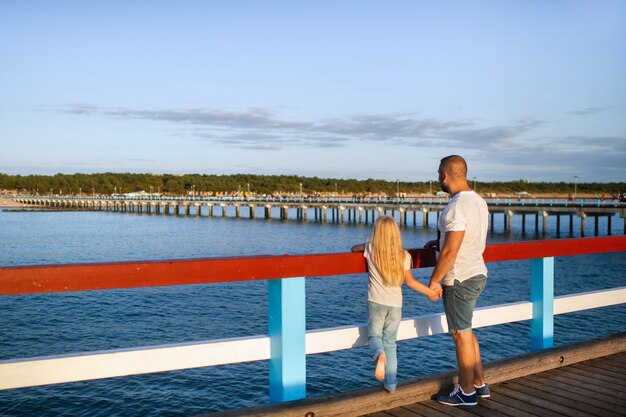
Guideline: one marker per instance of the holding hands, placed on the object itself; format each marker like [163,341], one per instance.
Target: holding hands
[433,294]
[436,290]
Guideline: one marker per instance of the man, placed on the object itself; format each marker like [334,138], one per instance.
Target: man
[461,273]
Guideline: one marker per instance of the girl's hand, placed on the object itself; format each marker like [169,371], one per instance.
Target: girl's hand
[358,248]
[435,295]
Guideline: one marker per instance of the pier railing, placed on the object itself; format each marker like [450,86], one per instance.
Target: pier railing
[307,199]
[287,342]
[356,209]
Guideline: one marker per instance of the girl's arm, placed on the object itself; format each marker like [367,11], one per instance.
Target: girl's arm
[358,248]
[433,295]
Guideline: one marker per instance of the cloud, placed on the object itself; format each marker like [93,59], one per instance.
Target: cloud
[251,119]
[591,158]
[493,137]
[261,129]
[518,146]
[588,110]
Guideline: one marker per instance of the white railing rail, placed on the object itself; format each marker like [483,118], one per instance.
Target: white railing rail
[20,373]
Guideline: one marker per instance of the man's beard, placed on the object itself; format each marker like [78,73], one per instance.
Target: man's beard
[444,188]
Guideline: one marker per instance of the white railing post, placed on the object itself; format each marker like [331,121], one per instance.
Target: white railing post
[287,329]
[542,298]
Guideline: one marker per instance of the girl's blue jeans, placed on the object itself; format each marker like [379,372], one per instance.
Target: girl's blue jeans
[382,326]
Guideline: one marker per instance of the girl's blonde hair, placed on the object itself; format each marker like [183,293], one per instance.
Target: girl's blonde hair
[387,251]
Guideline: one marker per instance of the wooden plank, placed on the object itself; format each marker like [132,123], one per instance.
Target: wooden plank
[566,397]
[515,367]
[511,390]
[582,376]
[460,411]
[413,413]
[594,385]
[401,412]
[601,371]
[425,411]
[580,404]
[619,357]
[616,362]
[451,411]
[591,373]
[618,367]
[607,359]
[561,382]
[510,407]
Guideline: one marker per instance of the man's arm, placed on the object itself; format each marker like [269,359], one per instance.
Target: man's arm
[447,256]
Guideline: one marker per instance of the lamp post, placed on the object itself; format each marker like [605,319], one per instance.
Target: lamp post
[335,189]
[300,191]
[248,188]
[398,189]
[430,186]
[575,185]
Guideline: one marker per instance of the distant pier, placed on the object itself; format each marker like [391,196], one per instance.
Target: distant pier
[348,210]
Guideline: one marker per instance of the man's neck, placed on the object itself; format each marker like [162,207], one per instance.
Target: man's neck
[457,188]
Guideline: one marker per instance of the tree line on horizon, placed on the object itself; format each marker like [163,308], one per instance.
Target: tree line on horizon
[173,184]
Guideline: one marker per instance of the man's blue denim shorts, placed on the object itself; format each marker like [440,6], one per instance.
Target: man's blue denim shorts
[459,301]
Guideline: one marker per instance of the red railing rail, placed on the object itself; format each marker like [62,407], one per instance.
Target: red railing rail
[102,276]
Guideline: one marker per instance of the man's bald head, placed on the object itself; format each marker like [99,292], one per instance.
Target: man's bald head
[455,166]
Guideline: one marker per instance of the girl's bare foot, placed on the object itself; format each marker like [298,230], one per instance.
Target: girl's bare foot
[379,373]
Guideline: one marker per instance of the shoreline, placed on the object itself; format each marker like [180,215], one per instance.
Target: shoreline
[9,203]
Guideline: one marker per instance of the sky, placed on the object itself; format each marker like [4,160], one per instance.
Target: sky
[530,89]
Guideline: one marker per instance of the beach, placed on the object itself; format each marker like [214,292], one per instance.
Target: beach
[8,202]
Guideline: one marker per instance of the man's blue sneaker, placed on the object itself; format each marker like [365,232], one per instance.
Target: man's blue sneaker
[483,392]
[457,397]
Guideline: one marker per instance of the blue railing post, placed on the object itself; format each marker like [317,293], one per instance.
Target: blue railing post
[287,328]
[542,297]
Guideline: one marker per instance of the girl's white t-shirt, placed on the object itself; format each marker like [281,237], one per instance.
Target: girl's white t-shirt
[466,211]
[377,291]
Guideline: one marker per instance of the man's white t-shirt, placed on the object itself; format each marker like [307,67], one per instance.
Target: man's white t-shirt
[377,291]
[466,211]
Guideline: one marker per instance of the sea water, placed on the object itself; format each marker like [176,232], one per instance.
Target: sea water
[49,324]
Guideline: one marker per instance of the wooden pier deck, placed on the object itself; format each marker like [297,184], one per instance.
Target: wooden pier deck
[591,388]
[585,379]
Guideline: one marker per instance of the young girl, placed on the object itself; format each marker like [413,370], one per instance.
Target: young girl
[389,265]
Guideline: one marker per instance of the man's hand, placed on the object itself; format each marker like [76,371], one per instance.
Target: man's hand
[436,295]
[435,286]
